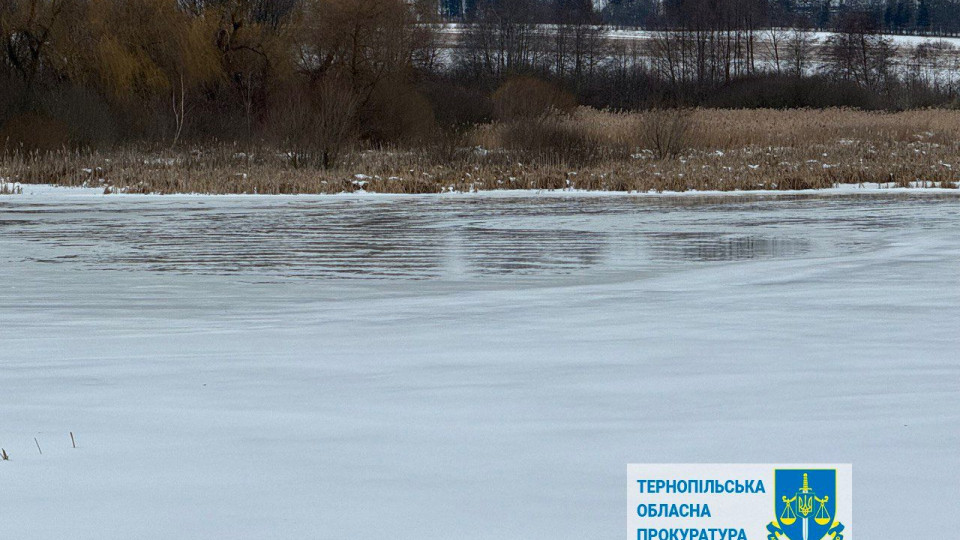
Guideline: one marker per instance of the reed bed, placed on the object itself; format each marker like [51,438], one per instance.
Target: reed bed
[586,149]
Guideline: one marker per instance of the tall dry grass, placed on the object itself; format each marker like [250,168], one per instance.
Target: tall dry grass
[7,188]
[585,149]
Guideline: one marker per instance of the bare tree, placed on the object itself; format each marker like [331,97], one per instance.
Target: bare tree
[859,53]
[800,46]
[319,122]
[506,38]
[28,30]
[665,131]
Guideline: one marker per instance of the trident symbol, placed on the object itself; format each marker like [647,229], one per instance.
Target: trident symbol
[804,500]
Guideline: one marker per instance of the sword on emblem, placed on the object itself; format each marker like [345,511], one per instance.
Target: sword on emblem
[804,501]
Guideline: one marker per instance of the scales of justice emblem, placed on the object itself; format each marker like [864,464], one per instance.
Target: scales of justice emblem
[805,502]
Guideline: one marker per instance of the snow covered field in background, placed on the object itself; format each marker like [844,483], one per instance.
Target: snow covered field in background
[465,366]
[941,65]
[456,29]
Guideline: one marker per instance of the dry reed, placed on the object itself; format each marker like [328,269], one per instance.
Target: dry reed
[595,150]
[7,188]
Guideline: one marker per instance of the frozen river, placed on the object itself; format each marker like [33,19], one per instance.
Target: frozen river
[465,366]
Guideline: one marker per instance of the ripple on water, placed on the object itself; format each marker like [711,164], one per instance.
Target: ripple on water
[425,238]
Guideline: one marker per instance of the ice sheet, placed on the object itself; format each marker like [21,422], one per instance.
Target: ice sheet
[464,367]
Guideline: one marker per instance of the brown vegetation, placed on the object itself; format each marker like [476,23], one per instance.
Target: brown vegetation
[309,74]
[721,150]
[302,96]
[95,73]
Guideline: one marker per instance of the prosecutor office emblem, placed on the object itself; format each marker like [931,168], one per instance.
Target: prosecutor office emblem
[805,502]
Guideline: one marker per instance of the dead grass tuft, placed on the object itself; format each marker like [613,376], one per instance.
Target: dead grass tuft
[7,188]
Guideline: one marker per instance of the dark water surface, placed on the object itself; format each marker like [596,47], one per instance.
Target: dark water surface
[450,238]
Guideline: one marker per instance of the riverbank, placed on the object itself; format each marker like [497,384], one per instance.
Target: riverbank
[583,150]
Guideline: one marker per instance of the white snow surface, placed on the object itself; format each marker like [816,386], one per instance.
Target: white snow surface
[465,366]
[900,40]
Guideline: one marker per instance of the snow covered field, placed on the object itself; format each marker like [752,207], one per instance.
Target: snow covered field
[941,65]
[631,34]
[465,366]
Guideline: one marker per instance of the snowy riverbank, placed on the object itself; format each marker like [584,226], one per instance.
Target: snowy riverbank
[48,190]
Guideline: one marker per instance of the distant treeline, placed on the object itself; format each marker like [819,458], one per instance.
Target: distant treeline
[321,74]
[940,17]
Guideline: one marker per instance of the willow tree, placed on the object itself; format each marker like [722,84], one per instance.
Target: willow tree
[32,34]
[253,39]
[368,43]
[148,52]
[377,48]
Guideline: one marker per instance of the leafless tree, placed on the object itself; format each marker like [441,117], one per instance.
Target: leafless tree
[665,131]
[800,46]
[858,53]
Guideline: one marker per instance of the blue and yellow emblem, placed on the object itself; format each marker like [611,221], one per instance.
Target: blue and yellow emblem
[805,502]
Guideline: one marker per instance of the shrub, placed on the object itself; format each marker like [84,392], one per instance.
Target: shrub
[398,113]
[552,139]
[525,98]
[320,123]
[665,131]
[457,107]
[32,131]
